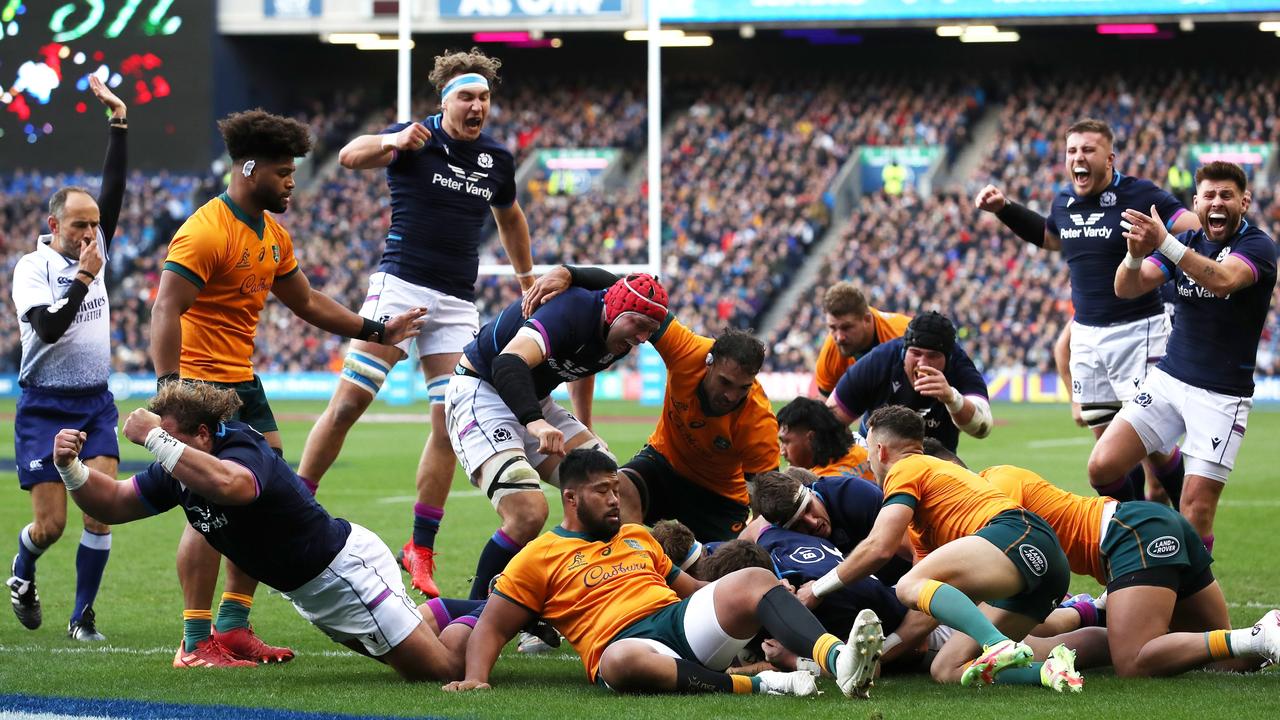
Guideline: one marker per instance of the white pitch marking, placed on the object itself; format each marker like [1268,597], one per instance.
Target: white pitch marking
[1061,442]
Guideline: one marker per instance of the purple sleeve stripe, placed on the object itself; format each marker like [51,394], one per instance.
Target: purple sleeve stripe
[138,489]
[843,407]
[386,593]
[1248,262]
[546,339]
[1167,275]
[1168,224]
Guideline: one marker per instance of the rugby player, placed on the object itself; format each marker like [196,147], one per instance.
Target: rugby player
[638,622]
[1224,274]
[973,544]
[64,317]
[221,265]
[1114,340]
[716,431]
[445,176]
[855,329]
[811,437]
[506,431]
[241,496]
[925,370]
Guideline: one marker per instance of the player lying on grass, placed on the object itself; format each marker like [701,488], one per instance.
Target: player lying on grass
[973,544]
[637,621]
[251,507]
[1158,579]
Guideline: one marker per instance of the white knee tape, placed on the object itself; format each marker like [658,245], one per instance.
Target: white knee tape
[1099,414]
[508,472]
[364,371]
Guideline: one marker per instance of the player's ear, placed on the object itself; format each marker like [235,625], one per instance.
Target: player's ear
[53,224]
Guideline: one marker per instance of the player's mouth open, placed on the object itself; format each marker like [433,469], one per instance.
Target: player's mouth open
[474,122]
[1080,174]
[1217,221]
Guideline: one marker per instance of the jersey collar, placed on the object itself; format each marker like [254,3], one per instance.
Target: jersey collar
[258,226]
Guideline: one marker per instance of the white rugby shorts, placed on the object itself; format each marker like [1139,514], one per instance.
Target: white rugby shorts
[1108,364]
[450,322]
[480,425]
[1214,424]
[359,596]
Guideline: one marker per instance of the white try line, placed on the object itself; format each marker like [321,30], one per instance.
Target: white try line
[164,651]
[547,490]
[1061,442]
[1228,502]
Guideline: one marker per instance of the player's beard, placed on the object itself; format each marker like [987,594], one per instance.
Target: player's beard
[599,528]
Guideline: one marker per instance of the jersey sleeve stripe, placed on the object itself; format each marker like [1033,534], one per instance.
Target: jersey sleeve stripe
[536,332]
[1168,224]
[1248,262]
[513,601]
[901,498]
[296,268]
[1167,274]
[257,483]
[185,272]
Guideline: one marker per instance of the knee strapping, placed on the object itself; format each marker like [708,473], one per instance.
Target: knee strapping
[508,472]
[436,388]
[364,371]
[1098,415]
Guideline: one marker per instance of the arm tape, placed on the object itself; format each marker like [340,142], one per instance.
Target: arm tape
[979,425]
[167,448]
[828,583]
[75,475]
[1024,222]
[513,380]
[591,278]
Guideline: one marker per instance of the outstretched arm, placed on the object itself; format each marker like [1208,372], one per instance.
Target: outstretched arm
[98,494]
[111,197]
[499,622]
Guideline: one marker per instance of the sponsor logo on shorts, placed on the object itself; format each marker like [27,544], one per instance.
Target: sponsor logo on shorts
[1143,399]
[1077,387]
[1163,547]
[1034,559]
[35,465]
[1216,442]
[501,434]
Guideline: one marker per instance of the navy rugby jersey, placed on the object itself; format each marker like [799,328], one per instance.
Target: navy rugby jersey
[878,379]
[800,558]
[1214,343]
[283,538]
[1093,244]
[571,326]
[852,506]
[440,199]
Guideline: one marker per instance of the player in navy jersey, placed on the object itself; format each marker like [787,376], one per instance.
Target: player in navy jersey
[446,177]
[840,510]
[507,432]
[64,314]
[1224,275]
[250,506]
[1114,341]
[925,370]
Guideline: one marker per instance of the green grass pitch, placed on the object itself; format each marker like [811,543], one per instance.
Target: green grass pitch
[140,608]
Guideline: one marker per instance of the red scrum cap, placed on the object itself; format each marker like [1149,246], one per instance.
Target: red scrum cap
[638,293]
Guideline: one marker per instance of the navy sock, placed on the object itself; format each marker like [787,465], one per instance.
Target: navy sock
[1137,479]
[495,556]
[91,561]
[24,565]
[1170,476]
[457,607]
[426,523]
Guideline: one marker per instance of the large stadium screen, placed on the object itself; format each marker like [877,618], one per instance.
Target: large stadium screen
[154,54]
[857,10]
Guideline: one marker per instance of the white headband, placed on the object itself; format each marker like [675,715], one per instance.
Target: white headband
[466,81]
[695,552]
[805,496]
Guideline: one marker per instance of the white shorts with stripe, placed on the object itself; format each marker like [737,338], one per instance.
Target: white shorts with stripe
[359,596]
[1109,363]
[450,322]
[1214,423]
[481,425]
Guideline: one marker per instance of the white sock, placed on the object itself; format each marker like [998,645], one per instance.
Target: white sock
[1246,642]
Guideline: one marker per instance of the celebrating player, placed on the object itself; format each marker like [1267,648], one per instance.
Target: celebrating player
[1114,340]
[637,621]
[445,176]
[855,329]
[64,315]
[925,370]
[1203,386]
[243,498]
[221,264]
